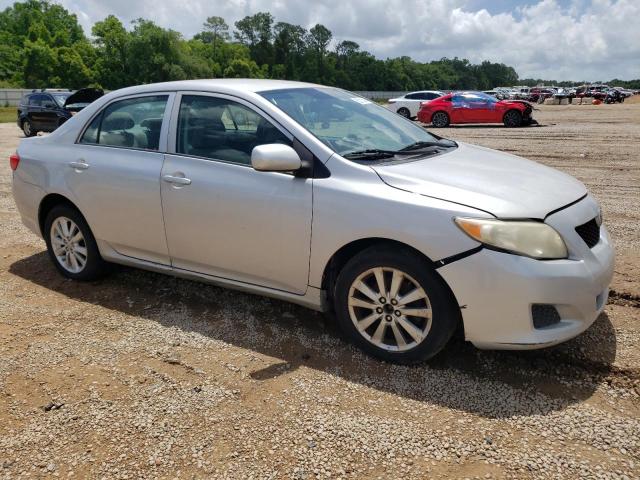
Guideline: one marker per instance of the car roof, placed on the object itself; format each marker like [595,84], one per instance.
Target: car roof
[219,85]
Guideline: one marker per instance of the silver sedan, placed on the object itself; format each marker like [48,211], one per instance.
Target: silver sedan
[318,196]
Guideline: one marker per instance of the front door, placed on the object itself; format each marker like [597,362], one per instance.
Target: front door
[34,111]
[49,114]
[222,217]
[114,172]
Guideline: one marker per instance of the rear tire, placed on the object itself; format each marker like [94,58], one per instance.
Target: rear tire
[417,317]
[512,118]
[27,129]
[440,120]
[404,112]
[71,245]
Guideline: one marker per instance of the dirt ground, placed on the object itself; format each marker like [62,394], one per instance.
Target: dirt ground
[141,375]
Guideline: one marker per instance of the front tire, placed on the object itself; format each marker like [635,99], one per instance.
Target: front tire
[27,129]
[512,118]
[71,245]
[440,120]
[394,306]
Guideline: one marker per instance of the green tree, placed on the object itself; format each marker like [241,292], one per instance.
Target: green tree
[39,64]
[318,41]
[289,47]
[112,43]
[239,68]
[255,31]
[217,31]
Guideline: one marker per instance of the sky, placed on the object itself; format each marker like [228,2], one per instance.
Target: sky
[551,39]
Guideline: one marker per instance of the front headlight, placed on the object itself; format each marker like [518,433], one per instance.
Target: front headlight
[533,239]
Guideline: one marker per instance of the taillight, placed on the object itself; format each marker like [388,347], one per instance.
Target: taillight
[14,160]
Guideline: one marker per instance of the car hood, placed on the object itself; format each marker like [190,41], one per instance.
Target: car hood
[502,184]
[84,95]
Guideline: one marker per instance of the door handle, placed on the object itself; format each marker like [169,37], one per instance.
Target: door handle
[79,165]
[176,180]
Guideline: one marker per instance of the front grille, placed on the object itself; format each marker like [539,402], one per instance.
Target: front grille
[589,232]
[544,315]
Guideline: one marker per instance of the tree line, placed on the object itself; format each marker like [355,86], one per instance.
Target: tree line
[43,45]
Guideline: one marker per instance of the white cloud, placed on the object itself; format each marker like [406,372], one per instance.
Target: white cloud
[585,40]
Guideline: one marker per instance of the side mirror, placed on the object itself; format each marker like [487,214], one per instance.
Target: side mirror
[275,157]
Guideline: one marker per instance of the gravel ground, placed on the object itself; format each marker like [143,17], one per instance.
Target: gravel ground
[145,376]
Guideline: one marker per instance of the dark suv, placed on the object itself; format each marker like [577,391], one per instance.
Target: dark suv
[46,110]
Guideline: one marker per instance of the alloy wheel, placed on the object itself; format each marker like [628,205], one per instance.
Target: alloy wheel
[440,119]
[68,244]
[390,309]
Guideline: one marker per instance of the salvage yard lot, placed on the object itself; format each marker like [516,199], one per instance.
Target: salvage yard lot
[142,375]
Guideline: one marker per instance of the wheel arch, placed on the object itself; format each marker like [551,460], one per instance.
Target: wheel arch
[50,201]
[340,258]
[345,253]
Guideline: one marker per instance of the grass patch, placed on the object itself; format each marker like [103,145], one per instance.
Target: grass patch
[8,114]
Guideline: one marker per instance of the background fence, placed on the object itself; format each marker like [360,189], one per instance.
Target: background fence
[373,95]
[10,97]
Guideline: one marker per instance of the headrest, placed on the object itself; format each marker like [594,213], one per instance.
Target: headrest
[152,123]
[118,121]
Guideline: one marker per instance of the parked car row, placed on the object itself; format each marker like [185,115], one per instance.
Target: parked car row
[442,110]
[539,94]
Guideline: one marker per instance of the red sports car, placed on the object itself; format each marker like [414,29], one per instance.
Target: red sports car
[475,107]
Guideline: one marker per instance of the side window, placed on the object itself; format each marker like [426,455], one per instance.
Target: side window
[130,123]
[35,100]
[47,101]
[412,96]
[91,133]
[221,129]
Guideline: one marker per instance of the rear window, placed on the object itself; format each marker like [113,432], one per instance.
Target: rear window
[131,123]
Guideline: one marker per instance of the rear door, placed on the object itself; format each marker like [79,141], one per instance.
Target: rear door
[114,173]
[222,217]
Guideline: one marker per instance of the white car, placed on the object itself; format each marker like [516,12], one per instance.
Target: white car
[409,104]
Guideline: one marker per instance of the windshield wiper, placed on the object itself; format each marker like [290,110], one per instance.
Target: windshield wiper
[423,144]
[370,153]
[377,153]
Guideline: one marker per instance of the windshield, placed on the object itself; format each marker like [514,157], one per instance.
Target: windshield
[60,98]
[346,122]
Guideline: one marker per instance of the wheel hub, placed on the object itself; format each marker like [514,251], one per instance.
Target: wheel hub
[68,245]
[390,309]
